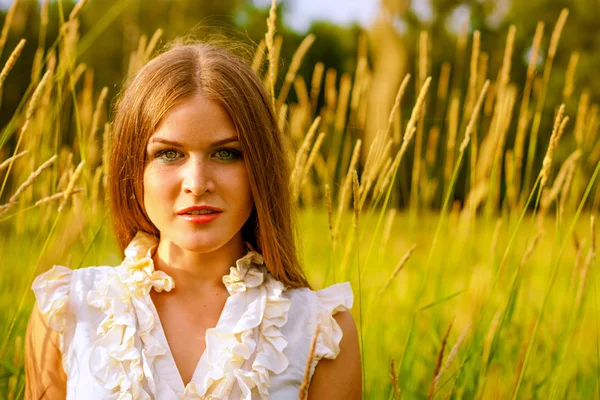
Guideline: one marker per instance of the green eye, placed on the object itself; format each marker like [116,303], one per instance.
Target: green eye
[227,154]
[167,155]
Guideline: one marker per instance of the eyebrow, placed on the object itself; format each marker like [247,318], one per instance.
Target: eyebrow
[177,144]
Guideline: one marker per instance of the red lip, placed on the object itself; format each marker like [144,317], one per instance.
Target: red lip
[192,208]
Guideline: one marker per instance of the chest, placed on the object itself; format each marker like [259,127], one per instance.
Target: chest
[184,327]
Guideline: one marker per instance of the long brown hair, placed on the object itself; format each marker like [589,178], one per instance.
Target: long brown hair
[165,82]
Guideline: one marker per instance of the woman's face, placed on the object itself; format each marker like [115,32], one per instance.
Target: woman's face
[195,162]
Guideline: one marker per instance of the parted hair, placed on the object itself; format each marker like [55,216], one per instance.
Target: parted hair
[163,83]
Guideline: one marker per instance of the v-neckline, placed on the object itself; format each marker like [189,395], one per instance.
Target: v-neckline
[177,382]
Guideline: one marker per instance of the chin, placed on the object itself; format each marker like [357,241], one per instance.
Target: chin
[200,242]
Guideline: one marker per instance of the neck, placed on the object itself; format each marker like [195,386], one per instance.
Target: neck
[195,273]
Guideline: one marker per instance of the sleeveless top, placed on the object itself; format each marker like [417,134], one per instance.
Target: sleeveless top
[113,346]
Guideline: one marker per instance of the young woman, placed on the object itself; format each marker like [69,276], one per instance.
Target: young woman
[210,301]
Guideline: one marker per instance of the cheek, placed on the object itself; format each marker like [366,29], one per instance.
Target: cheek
[156,186]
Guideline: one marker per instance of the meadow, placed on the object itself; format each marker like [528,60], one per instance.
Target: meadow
[487,289]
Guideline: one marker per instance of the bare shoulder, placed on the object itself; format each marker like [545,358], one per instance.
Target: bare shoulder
[45,376]
[340,378]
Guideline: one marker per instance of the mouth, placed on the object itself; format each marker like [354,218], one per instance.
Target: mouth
[199,210]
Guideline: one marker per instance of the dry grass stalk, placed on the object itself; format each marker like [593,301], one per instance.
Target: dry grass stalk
[301,159]
[293,69]
[432,146]
[347,185]
[387,229]
[35,98]
[506,62]
[399,267]
[556,33]
[452,133]
[96,182]
[12,159]
[416,170]
[311,354]
[303,99]
[105,153]
[28,182]
[152,44]
[489,338]
[559,124]
[269,36]
[70,187]
[591,257]
[55,196]
[483,69]
[10,14]
[98,112]
[438,363]
[581,118]
[277,54]
[442,90]
[330,94]
[414,116]
[509,173]
[311,158]
[302,153]
[394,378]
[565,192]
[67,168]
[474,117]
[44,19]
[530,248]
[259,55]
[452,354]
[473,72]
[550,195]
[373,172]
[361,114]
[495,237]
[578,244]
[342,103]
[377,151]
[591,127]
[570,76]
[387,175]
[359,75]
[382,175]
[329,211]
[10,63]
[509,99]
[282,118]
[77,10]
[355,197]
[315,85]
[524,110]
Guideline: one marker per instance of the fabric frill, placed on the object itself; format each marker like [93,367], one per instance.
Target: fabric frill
[256,309]
[52,293]
[330,300]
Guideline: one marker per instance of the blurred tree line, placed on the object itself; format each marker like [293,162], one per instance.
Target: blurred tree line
[110,31]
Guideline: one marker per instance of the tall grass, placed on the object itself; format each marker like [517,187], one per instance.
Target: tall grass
[506,278]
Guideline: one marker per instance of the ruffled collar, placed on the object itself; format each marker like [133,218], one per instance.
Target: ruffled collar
[249,325]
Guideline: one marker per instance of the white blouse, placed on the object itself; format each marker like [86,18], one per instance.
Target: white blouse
[113,346]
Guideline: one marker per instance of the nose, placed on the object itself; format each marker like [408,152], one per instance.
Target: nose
[197,177]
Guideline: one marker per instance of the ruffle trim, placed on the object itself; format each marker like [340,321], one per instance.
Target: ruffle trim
[235,340]
[51,290]
[123,295]
[330,300]
[255,301]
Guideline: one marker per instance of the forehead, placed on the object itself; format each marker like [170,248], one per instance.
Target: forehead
[197,119]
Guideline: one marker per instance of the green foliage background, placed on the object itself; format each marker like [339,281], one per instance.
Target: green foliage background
[514,283]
